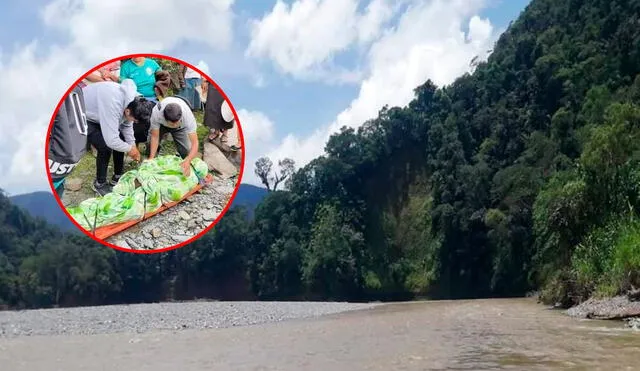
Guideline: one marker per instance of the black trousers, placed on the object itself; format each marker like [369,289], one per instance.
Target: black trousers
[94,136]
[141,132]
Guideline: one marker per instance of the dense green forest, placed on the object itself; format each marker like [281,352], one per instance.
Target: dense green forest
[524,175]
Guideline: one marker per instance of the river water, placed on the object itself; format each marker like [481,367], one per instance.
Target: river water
[438,335]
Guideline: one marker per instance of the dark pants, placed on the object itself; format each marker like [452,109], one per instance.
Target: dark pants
[141,132]
[94,137]
[180,138]
[190,93]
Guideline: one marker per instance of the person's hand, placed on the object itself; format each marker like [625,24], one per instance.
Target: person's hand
[186,167]
[134,153]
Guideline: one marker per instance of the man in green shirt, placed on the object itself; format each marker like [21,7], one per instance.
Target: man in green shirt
[143,72]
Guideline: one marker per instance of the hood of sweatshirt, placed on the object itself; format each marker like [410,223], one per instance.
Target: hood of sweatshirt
[129,90]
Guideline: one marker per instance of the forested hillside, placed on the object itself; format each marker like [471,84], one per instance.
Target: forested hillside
[43,267]
[524,175]
[44,205]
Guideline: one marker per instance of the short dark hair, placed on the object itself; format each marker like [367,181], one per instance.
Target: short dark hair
[141,108]
[172,112]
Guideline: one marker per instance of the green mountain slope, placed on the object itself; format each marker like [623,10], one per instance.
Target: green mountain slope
[495,185]
[44,205]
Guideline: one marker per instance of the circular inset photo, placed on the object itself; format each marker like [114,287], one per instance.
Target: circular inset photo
[144,153]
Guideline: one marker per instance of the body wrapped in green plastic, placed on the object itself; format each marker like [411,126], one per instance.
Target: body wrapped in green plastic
[144,190]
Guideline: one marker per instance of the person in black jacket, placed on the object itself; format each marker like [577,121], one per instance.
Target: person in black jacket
[67,139]
[218,116]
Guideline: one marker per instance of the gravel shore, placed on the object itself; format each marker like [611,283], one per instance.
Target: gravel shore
[181,222]
[141,318]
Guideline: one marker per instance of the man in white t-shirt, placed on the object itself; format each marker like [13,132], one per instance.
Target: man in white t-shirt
[173,115]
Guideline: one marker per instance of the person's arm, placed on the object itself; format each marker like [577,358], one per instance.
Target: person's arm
[155,137]
[156,66]
[181,80]
[193,138]
[127,133]
[95,76]
[192,125]
[186,163]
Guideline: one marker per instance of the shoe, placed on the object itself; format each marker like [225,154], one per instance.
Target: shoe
[114,180]
[101,188]
[213,135]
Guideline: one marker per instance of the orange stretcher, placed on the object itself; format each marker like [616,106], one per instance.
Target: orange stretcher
[112,229]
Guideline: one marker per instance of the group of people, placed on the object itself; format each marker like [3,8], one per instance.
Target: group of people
[116,107]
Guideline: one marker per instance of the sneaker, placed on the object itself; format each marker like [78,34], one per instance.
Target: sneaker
[101,188]
[114,180]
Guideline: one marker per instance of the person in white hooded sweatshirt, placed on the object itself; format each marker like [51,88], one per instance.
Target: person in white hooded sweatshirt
[112,109]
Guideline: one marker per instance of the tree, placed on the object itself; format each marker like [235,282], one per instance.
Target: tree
[264,172]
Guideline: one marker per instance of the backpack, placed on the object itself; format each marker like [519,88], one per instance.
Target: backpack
[68,138]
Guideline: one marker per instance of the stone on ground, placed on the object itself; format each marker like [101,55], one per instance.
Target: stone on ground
[73,184]
[218,162]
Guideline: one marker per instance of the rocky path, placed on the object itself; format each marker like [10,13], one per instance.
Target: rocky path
[181,222]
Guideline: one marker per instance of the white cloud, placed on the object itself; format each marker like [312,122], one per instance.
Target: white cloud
[37,76]
[258,131]
[36,85]
[105,29]
[427,43]
[302,39]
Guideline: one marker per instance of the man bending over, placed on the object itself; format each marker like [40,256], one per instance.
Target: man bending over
[173,115]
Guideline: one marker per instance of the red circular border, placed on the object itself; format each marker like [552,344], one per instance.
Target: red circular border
[199,235]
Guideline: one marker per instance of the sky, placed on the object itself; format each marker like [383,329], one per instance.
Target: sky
[296,71]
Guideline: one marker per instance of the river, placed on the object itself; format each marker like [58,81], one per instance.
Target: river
[434,335]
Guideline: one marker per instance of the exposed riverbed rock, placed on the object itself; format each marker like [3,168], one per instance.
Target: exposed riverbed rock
[634,323]
[619,307]
[218,162]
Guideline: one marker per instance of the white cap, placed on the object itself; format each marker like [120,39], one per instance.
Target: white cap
[227,114]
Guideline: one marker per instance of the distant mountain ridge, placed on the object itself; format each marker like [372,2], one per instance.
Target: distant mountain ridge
[249,196]
[44,205]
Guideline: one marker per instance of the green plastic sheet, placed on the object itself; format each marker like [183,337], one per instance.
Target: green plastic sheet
[155,182]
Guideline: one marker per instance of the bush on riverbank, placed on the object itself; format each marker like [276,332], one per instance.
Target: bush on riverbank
[608,263]
[586,221]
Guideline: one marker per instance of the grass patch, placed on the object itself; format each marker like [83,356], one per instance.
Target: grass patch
[607,263]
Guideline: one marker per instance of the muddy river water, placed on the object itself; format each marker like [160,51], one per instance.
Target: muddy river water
[444,335]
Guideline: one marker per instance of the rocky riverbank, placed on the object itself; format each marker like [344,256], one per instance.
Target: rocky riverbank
[141,318]
[616,308]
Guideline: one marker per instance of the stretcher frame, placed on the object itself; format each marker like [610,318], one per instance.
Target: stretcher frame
[107,231]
